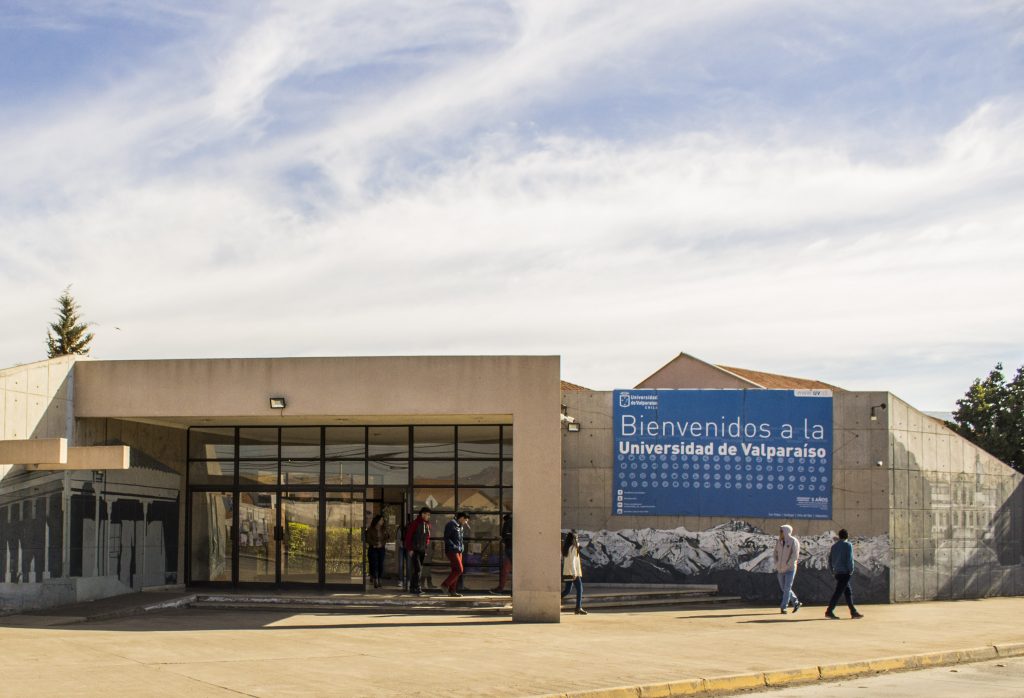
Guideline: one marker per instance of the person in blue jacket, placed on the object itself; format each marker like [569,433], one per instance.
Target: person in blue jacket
[840,563]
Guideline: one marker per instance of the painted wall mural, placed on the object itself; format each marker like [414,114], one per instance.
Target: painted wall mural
[736,556]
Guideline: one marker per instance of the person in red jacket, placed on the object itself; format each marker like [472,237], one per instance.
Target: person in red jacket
[417,538]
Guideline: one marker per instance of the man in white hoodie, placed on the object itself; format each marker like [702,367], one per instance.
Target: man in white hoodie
[787,555]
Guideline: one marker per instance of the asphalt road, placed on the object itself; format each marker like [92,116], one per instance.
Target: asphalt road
[1002,678]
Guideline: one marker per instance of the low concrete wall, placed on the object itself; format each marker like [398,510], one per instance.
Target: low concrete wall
[17,598]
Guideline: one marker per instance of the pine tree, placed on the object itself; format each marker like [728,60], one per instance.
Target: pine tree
[69,334]
[991,415]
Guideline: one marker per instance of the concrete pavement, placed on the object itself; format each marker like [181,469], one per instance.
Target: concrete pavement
[269,653]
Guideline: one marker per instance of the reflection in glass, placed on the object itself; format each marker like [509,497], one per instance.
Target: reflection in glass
[257,442]
[483,527]
[386,443]
[345,442]
[211,443]
[345,555]
[433,442]
[257,550]
[478,441]
[437,498]
[506,473]
[345,472]
[210,545]
[433,472]
[257,472]
[506,499]
[506,441]
[300,442]
[478,498]
[387,472]
[300,521]
[213,472]
[480,473]
[300,472]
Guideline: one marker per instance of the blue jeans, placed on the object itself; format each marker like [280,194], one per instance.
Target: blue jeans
[578,582]
[786,584]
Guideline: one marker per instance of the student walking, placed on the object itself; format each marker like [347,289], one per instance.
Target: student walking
[840,564]
[506,558]
[417,539]
[375,540]
[454,546]
[787,555]
[572,569]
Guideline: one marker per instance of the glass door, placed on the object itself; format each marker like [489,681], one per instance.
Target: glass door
[344,549]
[300,523]
[256,544]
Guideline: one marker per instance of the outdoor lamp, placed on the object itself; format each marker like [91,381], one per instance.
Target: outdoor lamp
[874,415]
[278,403]
[572,426]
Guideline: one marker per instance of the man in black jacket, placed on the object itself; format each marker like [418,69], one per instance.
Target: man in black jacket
[453,548]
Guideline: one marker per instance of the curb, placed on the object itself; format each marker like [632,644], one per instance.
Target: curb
[792,677]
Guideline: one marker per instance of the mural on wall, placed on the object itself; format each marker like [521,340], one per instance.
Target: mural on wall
[30,537]
[736,556]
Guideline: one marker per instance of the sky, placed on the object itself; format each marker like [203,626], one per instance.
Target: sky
[826,190]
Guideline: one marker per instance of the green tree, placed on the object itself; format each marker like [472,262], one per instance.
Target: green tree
[68,335]
[991,415]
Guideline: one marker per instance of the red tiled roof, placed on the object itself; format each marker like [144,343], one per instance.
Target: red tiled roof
[572,387]
[779,382]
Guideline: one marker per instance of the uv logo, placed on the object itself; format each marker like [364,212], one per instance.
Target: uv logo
[623,399]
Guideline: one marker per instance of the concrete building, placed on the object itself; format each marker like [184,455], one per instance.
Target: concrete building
[125,475]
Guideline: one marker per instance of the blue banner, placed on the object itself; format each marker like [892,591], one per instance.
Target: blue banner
[751,453]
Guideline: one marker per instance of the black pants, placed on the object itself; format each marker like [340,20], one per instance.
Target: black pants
[843,588]
[376,556]
[416,557]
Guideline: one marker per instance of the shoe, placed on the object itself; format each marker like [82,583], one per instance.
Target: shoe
[497,591]
[452,592]
[418,592]
[783,611]
[796,607]
[581,612]
[856,615]
[832,616]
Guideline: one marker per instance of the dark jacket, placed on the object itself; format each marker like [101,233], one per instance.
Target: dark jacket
[840,557]
[417,535]
[453,537]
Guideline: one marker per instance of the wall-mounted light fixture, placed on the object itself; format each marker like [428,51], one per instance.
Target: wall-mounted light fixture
[278,403]
[874,413]
[572,426]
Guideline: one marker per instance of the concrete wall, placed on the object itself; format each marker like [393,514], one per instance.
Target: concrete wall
[35,401]
[958,514]
[721,550]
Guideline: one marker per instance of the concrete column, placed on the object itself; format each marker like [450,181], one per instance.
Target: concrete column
[46,539]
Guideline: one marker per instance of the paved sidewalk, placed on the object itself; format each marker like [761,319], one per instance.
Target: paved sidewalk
[269,653]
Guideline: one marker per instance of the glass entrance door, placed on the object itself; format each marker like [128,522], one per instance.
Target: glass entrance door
[344,550]
[300,540]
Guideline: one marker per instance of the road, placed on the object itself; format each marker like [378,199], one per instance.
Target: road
[1001,678]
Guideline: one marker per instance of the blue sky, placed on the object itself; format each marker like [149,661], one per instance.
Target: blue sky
[829,190]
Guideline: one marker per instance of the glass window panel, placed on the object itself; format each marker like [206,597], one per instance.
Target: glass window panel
[479,473]
[300,442]
[345,442]
[506,499]
[479,442]
[257,550]
[506,473]
[211,545]
[437,498]
[478,498]
[345,554]
[388,443]
[483,527]
[433,442]
[257,442]
[212,472]
[482,553]
[345,472]
[427,472]
[300,521]
[506,441]
[300,472]
[257,472]
[388,472]
[212,443]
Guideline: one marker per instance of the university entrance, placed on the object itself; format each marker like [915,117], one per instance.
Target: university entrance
[287,506]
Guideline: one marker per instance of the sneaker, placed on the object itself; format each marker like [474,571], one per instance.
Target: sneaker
[783,611]
[497,591]
[831,616]
[796,607]
[581,612]
[855,615]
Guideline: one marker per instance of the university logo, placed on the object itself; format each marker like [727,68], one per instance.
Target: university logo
[623,399]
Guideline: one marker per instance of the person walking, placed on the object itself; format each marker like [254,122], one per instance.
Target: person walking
[454,546]
[840,564]
[787,555]
[417,539]
[375,540]
[506,558]
[572,569]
